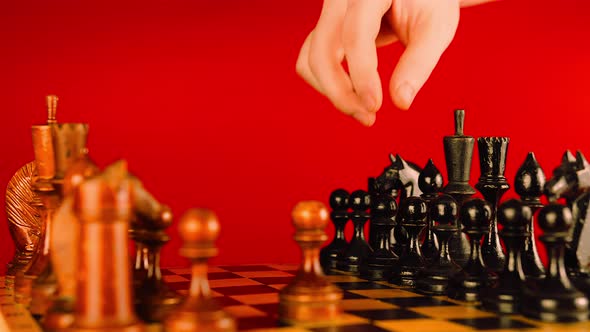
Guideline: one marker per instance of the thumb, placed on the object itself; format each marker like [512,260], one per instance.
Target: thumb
[427,40]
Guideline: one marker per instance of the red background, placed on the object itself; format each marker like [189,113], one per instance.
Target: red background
[202,99]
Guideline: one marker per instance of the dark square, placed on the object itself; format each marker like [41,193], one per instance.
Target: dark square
[387,314]
[248,268]
[421,301]
[273,280]
[250,323]
[245,290]
[350,328]
[225,301]
[360,285]
[271,309]
[182,285]
[352,296]
[221,275]
[166,272]
[493,323]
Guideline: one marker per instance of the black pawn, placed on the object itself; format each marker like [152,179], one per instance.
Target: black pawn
[383,210]
[430,183]
[358,250]
[505,295]
[466,285]
[528,184]
[555,299]
[413,213]
[332,253]
[492,184]
[434,279]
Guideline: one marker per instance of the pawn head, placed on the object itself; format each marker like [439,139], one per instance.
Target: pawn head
[339,199]
[555,218]
[198,226]
[514,214]
[444,210]
[475,214]
[360,200]
[413,210]
[309,215]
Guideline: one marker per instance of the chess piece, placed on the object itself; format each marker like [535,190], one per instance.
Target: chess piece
[466,285]
[413,212]
[382,259]
[310,297]
[430,182]
[505,295]
[434,279]
[492,184]
[528,184]
[104,293]
[199,228]
[458,155]
[24,221]
[64,243]
[358,250]
[154,300]
[331,254]
[555,298]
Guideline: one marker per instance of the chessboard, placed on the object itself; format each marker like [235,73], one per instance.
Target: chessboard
[250,294]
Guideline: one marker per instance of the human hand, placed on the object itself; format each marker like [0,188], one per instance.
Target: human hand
[351,31]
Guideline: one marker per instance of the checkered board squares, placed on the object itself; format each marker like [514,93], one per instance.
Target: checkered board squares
[250,294]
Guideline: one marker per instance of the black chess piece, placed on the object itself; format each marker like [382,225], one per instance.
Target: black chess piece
[475,215]
[505,295]
[528,184]
[555,298]
[358,250]
[492,184]
[413,213]
[434,279]
[331,254]
[383,210]
[430,182]
[458,156]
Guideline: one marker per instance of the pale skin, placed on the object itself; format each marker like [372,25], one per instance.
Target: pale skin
[351,31]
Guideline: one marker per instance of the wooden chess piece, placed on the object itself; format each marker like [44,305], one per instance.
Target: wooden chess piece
[505,296]
[104,293]
[528,184]
[381,260]
[24,221]
[458,155]
[358,250]
[434,278]
[198,229]
[492,184]
[555,298]
[310,297]
[331,254]
[44,150]
[430,182]
[466,285]
[65,247]
[154,300]
[413,211]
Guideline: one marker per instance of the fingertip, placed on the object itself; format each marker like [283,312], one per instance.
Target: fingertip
[403,95]
[367,119]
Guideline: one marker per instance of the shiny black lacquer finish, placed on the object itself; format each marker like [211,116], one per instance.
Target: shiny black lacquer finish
[434,279]
[492,184]
[466,285]
[430,182]
[564,180]
[358,250]
[505,295]
[528,184]
[555,298]
[579,275]
[458,155]
[332,253]
[383,210]
[413,213]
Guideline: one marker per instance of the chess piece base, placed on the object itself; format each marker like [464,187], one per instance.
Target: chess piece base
[190,321]
[564,306]
[301,304]
[60,316]
[155,307]
[138,327]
